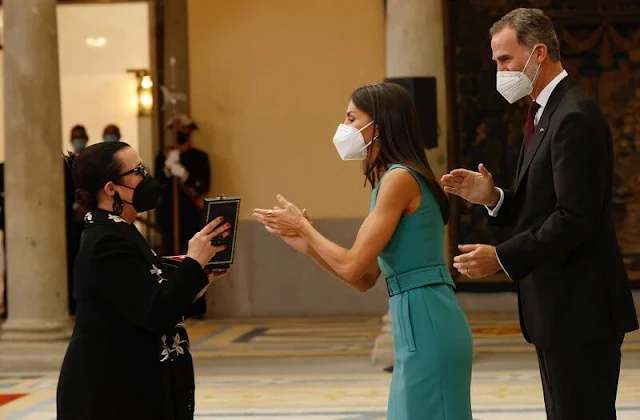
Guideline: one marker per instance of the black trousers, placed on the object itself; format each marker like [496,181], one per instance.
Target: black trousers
[580,382]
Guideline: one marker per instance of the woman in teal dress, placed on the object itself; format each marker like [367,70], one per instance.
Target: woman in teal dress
[402,239]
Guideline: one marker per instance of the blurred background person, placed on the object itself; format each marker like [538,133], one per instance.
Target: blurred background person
[191,167]
[111,133]
[74,214]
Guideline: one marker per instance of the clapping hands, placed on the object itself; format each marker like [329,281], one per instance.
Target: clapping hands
[286,221]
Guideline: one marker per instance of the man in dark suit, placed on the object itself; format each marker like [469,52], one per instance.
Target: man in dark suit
[574,298]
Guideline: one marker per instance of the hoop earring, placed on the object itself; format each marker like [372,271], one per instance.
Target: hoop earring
[117,204]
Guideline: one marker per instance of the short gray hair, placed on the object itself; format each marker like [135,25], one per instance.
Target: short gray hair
[532,27]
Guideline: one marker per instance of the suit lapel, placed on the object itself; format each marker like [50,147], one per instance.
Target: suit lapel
[542,127]
[520,158]
[536,140]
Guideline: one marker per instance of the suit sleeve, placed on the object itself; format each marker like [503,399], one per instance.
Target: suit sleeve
[503,217]
[578,158]
[126,281]
[200,175]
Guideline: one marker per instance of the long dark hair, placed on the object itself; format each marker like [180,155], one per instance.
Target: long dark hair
[92,169]
[396,119]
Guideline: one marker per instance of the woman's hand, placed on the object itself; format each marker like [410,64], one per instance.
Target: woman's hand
[284,220]
[200,248]
[290,236]
[292,239]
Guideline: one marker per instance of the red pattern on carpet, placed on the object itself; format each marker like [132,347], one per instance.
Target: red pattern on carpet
[7,398]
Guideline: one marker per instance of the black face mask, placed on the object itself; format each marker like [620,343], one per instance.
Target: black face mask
[182,137]
[146,195]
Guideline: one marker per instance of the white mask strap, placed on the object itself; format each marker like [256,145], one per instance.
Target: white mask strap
[528,60]
[369,144]
[535,76]
[370,122]
[374,137]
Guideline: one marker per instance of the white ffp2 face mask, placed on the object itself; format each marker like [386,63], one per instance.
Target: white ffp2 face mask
[515,85]
[349,142]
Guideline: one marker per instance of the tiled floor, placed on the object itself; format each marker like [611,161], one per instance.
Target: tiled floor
[319,369]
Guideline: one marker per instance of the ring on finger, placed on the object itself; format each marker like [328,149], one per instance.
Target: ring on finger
[269,213]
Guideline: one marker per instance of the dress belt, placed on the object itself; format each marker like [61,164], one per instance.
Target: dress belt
[435,274]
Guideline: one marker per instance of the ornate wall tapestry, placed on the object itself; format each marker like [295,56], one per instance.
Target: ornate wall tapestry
[600,43]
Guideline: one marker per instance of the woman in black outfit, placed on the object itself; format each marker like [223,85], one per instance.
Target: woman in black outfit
[129,354]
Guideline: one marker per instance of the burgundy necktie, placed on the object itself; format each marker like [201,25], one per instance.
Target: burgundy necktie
[530,127]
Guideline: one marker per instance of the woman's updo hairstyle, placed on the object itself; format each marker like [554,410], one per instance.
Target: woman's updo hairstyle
[92,169]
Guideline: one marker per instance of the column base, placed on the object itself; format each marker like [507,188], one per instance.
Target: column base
[34,330]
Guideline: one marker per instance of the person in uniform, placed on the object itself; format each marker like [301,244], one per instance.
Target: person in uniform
[190,166]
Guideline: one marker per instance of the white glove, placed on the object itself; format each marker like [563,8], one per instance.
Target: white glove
[173,157]
[179,172]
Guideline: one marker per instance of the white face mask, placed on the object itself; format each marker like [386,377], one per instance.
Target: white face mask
[515,85]
[349,142]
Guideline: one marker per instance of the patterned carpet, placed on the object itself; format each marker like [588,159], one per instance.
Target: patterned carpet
[496,396]
[331,394]
[291,337]
[500,333]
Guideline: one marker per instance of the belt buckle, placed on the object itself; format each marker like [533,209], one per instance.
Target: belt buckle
[389,289]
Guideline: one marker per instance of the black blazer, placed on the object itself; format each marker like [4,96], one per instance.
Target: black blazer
[564,255]
[129,355]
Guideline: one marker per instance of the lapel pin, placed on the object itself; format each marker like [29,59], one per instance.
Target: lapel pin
[542,130]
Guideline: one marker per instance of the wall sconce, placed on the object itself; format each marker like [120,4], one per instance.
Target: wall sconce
[144,92]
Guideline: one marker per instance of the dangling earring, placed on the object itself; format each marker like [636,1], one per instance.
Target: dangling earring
[117,204]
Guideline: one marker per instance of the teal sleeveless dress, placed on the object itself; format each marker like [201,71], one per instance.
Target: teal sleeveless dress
[431,335]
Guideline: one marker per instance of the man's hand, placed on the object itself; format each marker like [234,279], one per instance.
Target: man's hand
[477,261]
[475,187]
